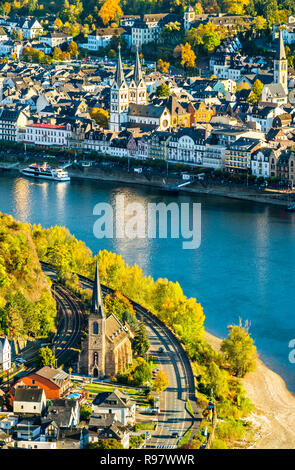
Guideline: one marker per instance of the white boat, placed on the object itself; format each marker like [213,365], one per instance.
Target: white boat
[46,172]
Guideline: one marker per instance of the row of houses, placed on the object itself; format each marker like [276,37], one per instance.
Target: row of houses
[46,415]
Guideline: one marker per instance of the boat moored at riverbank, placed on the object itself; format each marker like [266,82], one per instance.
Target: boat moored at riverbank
[46,172]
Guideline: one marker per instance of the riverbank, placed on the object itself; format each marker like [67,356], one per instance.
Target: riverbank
[229,191]
[157,181]
[274,418]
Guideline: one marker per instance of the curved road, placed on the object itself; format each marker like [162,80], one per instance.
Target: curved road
[173,416]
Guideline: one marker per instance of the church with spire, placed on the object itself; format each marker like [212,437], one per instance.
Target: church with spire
[107,348]
[123,93]
[277,92]
[281,64]
[129,101]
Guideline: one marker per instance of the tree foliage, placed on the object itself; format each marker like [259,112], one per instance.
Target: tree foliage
[239,350]
[46,357]
[161,382]
[26,305]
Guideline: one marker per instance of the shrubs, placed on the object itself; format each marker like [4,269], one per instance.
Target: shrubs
[218,444]
[230,430]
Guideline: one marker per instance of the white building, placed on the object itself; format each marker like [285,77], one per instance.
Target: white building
[29,400]
[30,28]
[115,402]
[48,134]
[260,162]
[55,39]
[5,354]
[101,37]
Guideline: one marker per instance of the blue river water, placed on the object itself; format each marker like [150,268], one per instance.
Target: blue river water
[243,268]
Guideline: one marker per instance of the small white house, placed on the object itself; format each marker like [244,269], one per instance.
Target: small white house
[5,354]
[29,400]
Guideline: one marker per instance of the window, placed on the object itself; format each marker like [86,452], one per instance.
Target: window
[95,328]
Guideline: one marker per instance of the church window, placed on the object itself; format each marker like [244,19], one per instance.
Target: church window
[95,328]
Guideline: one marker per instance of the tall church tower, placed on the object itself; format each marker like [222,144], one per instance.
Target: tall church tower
[137,87]
[119,100]
[93,355]
[281,64]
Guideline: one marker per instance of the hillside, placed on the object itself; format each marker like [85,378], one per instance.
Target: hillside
[27,307]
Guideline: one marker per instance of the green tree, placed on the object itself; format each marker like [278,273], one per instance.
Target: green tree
[163,90]
[140,342]
[142,373]
[239,350]
[46,357]
[106,444]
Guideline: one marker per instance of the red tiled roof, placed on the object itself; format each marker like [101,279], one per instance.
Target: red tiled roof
[47,126]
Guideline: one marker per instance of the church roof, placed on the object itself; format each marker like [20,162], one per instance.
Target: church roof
[115,331]
[97,303]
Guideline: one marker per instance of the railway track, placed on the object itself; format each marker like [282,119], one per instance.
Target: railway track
[72,320]
[155,323]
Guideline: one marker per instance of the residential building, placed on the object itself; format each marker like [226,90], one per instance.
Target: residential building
[285,167]
[101,37]
[56,39]
[260,163]
[65,413]
[54,382]
[11,121]
[116,403]
[29,400]
[238,155]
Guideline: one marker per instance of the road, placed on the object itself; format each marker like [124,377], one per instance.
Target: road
[173,416]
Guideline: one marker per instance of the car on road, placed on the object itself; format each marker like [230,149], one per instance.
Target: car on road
[175,434]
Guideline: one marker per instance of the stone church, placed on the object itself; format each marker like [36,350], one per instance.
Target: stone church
[129,102]
[107,348]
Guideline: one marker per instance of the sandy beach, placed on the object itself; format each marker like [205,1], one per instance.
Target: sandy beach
[274,418]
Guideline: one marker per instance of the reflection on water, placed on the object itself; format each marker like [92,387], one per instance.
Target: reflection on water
[243,268]
[21,195]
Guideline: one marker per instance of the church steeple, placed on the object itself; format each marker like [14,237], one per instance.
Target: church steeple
[137,69]
[97,302]
[119,76]
[280,51]
[281,64]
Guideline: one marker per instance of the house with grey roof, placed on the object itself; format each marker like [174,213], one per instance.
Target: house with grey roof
[115,403]
[29,401]
[64,412]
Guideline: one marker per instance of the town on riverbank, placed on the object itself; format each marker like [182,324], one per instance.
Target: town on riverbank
[200,98]
[231,119]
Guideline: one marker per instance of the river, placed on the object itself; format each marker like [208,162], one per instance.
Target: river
[244,267]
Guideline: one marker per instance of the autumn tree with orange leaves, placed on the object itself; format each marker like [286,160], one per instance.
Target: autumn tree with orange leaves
[110,10]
